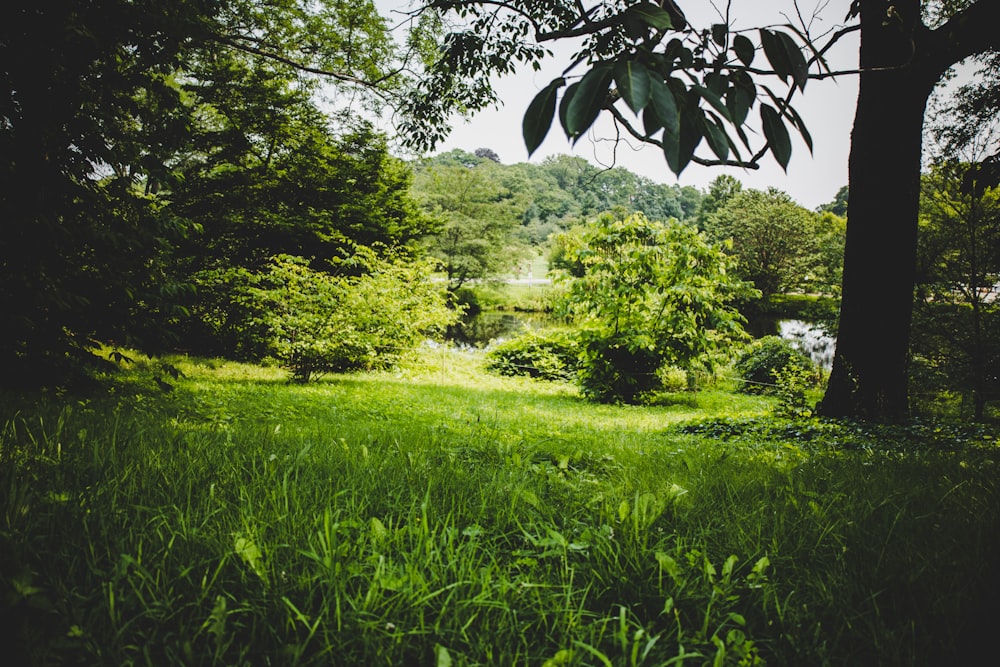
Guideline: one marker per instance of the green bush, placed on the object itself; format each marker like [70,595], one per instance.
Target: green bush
[318,322]
[612,371]
[766,361]
[550,355]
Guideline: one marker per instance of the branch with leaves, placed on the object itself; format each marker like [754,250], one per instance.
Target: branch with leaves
[666,82]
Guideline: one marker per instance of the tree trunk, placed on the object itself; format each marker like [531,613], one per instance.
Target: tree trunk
[869,377]
[901,61]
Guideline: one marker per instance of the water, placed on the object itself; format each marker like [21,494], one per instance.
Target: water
[811,339]
[490,327]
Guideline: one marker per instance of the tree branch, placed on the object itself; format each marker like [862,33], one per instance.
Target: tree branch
[621,120]
[969,32]
[276,57]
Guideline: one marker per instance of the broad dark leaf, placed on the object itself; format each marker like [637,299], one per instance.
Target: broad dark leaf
[776,54]
[712,99]
[664,104]
[588,100]
[633,81]
[719,32]
[650,14]
[564,103]
[651,121]
[716,138]
[538,117]
[739,100]
[776,134]
[744,49]
[797,61]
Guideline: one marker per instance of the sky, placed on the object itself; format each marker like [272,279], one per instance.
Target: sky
[827,107]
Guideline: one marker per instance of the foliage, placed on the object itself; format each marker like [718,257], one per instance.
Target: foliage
[721,190]
[769,361]
[957,313]
[135,135]
[562,191]
[547,355]
[317,323]
[652,293]
[699,84]
[773,239]
[839,204]
[477,220]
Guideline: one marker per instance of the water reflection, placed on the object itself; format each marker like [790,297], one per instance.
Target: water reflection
[811,339]
[489,327]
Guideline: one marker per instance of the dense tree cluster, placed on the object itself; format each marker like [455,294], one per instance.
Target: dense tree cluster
[146,144]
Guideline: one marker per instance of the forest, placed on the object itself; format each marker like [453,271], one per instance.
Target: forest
[283,383]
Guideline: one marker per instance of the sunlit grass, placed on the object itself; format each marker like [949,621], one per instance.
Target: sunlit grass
[439,515]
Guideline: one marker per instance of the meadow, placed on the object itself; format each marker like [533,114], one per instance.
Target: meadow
[437,515]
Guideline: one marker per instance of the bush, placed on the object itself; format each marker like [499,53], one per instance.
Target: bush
[318,323]
[551,355]
[766,361]
[612,371]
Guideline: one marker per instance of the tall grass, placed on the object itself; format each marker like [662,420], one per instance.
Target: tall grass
[439,516]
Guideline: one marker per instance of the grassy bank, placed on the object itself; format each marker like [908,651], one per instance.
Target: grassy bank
[439,516]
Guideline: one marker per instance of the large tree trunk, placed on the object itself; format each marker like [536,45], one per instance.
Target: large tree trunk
[901,60]
[869,377]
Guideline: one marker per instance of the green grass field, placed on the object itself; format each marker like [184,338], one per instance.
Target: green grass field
[440,516]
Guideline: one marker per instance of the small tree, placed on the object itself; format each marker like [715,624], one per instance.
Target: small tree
[774,239]
[652,294]
[320,323]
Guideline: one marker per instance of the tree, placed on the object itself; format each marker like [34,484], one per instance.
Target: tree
[699,87]
[720,191]
[957,311]
[652,294]
[97,125]
[88,107]
[478,219]
[839,204]
[773,239]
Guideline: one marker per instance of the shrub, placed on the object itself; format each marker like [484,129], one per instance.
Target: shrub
[651,294]
[550,355]
[612,371]
[766,361]
[320,323]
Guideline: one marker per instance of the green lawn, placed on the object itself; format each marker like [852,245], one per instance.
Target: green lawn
[440,516]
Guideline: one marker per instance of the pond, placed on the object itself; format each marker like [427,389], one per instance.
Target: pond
[490,327]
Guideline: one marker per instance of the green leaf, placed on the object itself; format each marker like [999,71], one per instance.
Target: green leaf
[739,100]
[776,134]
[797,62]
[717,139]
[588,100]
[538,117]
[776,54]
[633,82]
[719,32]
[679,147]
[712,99]
[650,121]
[744,49]
[664,105]
[564,104]
[650,14]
